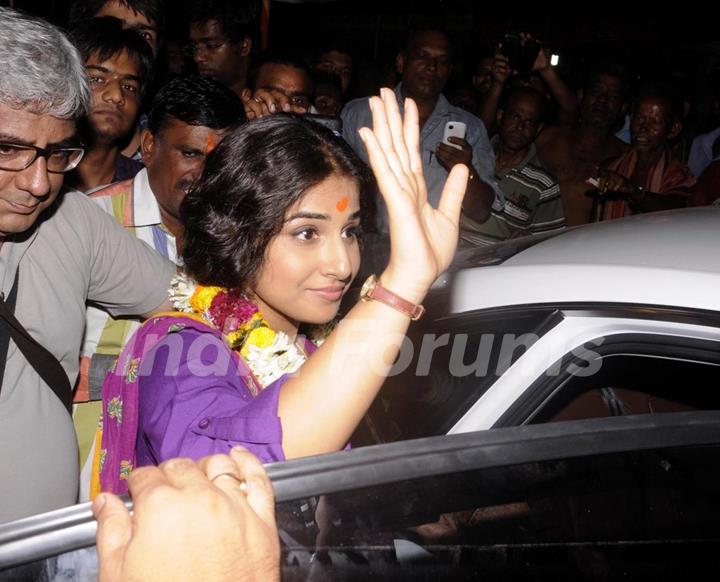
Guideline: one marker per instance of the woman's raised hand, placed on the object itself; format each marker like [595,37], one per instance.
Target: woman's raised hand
[359,354]
[423,239]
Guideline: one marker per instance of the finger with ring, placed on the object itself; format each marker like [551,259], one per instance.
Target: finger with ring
[241,482]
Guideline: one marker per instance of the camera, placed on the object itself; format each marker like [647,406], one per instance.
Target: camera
[521,53]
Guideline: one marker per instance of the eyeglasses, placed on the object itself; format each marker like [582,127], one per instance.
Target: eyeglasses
[209,46]
[14,157]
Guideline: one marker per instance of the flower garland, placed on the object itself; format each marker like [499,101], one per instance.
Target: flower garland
[268,354]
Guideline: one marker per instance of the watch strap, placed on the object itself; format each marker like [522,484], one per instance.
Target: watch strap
[384,295]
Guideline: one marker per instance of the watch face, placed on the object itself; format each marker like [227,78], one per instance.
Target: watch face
[368,286]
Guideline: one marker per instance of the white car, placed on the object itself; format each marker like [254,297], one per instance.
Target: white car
[616,318]
[620,319]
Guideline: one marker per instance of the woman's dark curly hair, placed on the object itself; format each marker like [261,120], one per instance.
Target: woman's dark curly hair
[255,174]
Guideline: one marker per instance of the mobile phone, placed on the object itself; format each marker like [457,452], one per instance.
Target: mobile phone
[511,47]
[454,129]
[529,52]
[332,123]
[521,54]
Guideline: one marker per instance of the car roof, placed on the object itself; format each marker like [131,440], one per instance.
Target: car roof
[658,259]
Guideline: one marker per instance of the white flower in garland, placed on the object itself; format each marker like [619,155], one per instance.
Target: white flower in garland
[268,354]
[181,290]
[271,362]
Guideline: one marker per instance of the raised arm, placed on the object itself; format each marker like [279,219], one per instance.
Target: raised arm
[323,404]
[559,90]
[501,72]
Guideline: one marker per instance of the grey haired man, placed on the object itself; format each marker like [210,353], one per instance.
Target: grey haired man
[58,250]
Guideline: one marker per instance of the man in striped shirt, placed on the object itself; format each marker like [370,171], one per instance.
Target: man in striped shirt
[188,118]
[532,195]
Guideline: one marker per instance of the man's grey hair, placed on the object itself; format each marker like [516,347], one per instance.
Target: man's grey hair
[40,70]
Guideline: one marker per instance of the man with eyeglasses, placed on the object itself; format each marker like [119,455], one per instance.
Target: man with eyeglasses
[532,196]
[425,65]
[334,59]
[221,39]
[56,253]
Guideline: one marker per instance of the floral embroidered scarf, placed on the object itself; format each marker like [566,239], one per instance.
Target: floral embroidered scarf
[117,431]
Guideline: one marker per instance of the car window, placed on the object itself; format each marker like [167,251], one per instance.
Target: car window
[630,384]
[627,515]
[444,367]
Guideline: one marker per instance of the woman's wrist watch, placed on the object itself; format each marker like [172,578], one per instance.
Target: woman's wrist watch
[373,291]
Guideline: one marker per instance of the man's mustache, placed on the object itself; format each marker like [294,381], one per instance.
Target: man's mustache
[184,185]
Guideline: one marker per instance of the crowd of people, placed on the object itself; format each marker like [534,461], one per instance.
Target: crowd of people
[181,219]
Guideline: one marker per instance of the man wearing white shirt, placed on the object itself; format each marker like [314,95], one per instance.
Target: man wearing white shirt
[425,65]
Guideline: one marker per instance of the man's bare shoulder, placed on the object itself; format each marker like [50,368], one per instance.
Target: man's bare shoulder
[554,141]
[553,147]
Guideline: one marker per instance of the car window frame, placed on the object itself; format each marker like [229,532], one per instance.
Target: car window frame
[546,387]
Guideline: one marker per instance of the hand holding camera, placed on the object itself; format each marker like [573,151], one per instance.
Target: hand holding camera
[501,70]
[521,51]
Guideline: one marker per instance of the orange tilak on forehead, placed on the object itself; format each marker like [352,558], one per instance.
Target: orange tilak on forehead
[342,204]
[211,143]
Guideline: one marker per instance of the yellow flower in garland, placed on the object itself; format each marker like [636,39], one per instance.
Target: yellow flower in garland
[267,353]
[202,298]
[234,338]
[261,337]
[255,321]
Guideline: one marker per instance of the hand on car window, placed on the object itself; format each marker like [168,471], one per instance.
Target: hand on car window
[210,520]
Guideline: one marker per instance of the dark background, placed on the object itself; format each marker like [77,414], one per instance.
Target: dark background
[681,47]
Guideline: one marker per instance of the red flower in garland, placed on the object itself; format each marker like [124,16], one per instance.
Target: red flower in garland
[230,310]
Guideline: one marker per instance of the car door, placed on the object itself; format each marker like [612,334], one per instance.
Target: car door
[630,497]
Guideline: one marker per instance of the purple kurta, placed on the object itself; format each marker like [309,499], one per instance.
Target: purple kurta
[178,390]
[194,402]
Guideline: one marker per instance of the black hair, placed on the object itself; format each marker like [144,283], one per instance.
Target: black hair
[423,27]
[196,101]
[614,70]
[254,175]
[153,10]
[479,55]
[525,91]
[664,92]
[277,59]
[326,45]
[238,18]
[106,37]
